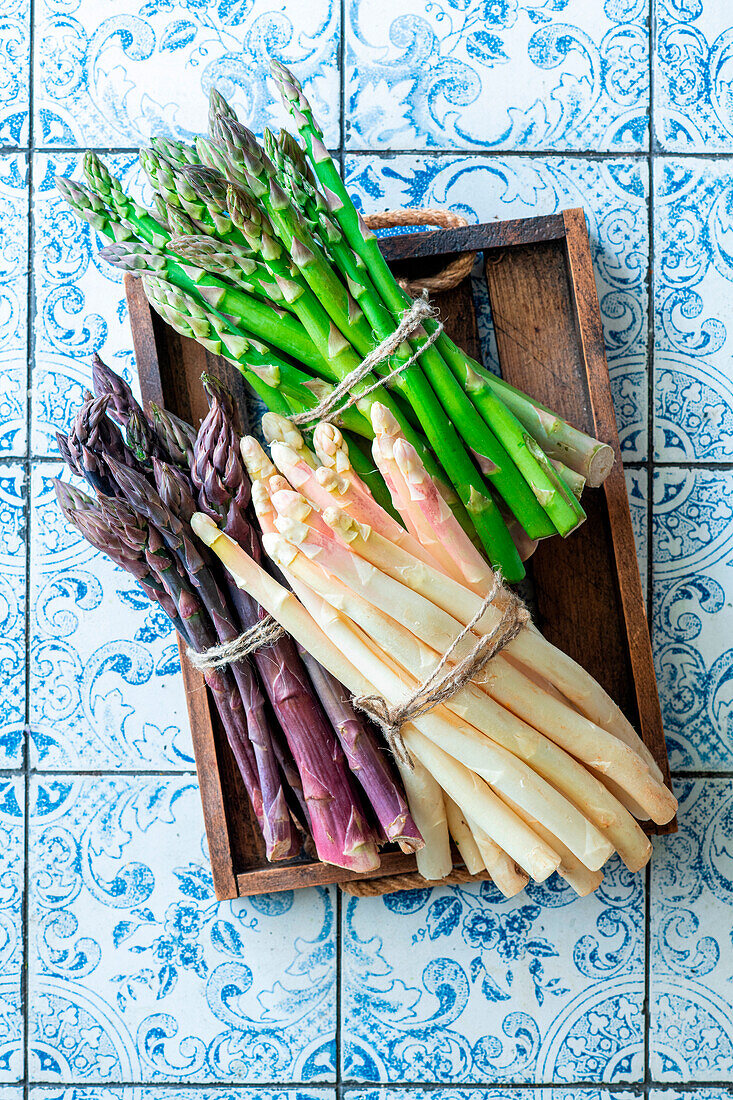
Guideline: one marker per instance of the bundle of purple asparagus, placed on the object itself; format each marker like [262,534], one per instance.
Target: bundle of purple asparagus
[310,765]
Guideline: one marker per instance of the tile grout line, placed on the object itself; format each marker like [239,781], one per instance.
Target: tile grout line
[30,353]
[443,151]
[649,516]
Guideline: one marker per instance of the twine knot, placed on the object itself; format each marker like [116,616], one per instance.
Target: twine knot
[332,405]
[265,632]
[444,682]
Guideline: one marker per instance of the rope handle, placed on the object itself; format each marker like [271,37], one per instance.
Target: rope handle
[454,272]
[390,884]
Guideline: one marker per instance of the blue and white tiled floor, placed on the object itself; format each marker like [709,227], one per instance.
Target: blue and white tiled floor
[120,977]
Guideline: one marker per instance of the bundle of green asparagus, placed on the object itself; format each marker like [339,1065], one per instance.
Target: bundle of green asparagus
[523,760]
[260,254]
[317,770]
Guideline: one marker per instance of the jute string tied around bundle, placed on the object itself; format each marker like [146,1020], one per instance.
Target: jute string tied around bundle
[265,632]
[333,405]
[447,679]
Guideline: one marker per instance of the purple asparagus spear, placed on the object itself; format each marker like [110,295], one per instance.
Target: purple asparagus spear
[366,761]
[338,825]
[279,832]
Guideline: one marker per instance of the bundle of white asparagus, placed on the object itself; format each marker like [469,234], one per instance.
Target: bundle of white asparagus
[531,767]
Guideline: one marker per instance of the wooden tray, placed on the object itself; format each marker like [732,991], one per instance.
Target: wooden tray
[589,597]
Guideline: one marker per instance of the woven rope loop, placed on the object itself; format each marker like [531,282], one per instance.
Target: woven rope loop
[454,272]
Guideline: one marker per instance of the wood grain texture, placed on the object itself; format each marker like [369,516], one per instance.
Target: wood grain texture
[471,238]
[550,343]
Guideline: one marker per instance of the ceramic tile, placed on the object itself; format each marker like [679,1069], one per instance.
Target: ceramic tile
[115,76]
[614,195]
[105,682]
[693,68]
[693,620]
[691,1004]
[13,302]
[693,348]
[684,1093]
[80,300]
[12,614]
[489,1094]
[138,974]
[458,985]
[14,71]
[12,815]
[150,1092]
[567,75]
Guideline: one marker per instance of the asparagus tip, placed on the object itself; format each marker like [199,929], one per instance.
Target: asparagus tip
[205,528]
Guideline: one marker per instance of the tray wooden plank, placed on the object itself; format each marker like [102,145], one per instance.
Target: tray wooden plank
[550,343]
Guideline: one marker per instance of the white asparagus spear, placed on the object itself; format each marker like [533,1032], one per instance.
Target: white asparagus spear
[256,459]
[333,454]
[529,647]
[291,508]
[300,624]
[575,873]
[623,796]
[276,428]
[386,434]
[323,488]
[481,804]
[448,539]
[463,837]
[491,756]
[506,876]
[596,748]
[425,799]
[506,683]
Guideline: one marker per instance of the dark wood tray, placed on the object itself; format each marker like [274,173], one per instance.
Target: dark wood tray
[588,590]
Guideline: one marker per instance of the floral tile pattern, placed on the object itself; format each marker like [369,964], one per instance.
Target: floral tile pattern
[688,1094]
[460,985]
[140,986]
[691,1036]
[80,301]
[559,74]
[114,77]
[105,684]
[12,615]
[120,1092]
[614,196]
[693,68]
[137,974]
[694,277]
[13,303]
[15,41]
[693,620]
[490,1094]
[12,814]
